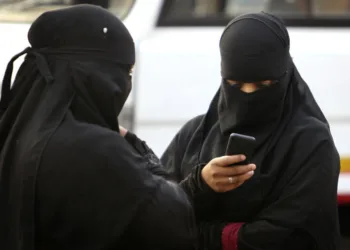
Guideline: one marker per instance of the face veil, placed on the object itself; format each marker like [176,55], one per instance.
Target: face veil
[253,49]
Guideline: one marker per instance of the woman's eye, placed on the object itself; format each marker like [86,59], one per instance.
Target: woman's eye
[231,82]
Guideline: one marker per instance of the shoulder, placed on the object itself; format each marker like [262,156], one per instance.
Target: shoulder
[193,123]
[311,140]
[94,149]
[172,156]
[184,135]
[308,131]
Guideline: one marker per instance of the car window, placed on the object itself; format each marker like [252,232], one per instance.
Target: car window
[219,12]
[28,10]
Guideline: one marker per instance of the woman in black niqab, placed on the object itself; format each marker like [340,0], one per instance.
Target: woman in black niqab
[291,200]
[68,179]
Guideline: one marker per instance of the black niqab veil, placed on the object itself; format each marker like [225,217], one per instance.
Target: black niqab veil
[293,192]
[243,59]
[67,179]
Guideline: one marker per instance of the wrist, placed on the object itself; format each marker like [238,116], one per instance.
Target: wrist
[201,183]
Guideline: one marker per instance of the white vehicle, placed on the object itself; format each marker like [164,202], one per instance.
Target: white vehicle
[178,65]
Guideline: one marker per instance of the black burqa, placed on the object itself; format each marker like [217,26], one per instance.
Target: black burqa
[68,179]
[291,201]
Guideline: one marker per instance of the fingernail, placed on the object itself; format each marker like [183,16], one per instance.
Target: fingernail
[251,172]
[242,157]
[252,166]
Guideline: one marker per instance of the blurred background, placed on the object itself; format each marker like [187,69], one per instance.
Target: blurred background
[177,71]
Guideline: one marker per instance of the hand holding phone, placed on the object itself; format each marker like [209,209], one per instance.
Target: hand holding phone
[221,178]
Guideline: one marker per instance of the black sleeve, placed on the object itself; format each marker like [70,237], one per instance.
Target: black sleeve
[172,159]
[166,221]
[209,235]
[170,163]
[153,163]
[202,196]
[193,184]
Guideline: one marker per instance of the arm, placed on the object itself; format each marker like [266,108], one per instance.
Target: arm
[302,215]
[154,165]
[154,220]
[172,159]
[209,234]
[170,164]
[192,184]
[165,221]
[202,196]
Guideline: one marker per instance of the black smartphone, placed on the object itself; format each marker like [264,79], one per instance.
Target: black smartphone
[241,144]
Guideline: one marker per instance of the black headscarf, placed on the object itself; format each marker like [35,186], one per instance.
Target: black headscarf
[292,134]
[59,148]
[254,48]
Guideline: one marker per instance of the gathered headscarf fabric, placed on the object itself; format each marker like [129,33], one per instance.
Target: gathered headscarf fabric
[291,201]
[68,179]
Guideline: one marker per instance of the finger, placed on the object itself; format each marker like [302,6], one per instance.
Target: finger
[228,160]
[233,171]
[122,131]
[227,181]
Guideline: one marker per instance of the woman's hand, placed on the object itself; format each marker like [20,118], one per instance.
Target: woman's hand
[122,131]
[221,177]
